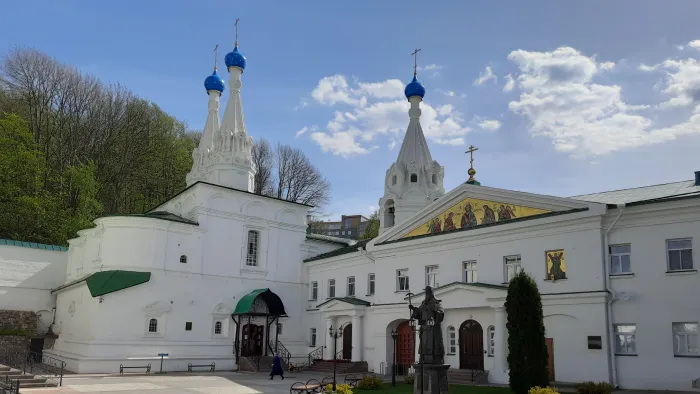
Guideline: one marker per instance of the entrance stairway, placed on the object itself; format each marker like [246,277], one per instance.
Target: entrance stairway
[467,376]
[258,363]
[25,380]
[343,366]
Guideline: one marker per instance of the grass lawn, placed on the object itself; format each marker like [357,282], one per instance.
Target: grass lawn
[454,389]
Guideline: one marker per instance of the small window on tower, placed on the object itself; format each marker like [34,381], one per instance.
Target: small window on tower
[434,179]
[414,178]
[183,259]
[393,179]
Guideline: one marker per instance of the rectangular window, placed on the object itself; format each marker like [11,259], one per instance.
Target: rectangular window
[685,339]
[252,257]
[492,340]
[370,284]
[402,280]
[188,326]
[511,267]
[452,338]
[351,286]
[279,328]
[625,341]
[620,259]
[680,254]
[431,274]
[331,288]
[470,272]
[312,337]
[314,291]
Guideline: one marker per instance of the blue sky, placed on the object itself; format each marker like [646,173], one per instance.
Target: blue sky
[603,94]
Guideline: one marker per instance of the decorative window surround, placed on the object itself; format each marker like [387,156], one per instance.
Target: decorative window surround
[156,310]
[263,237]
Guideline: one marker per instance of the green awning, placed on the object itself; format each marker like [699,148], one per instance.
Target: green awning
[105,282]
[274,303]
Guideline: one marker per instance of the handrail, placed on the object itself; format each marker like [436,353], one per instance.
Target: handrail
[316,354]
[9,386]
[34,363]
[282,350]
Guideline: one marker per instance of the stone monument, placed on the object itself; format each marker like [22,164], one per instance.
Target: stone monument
[431,371]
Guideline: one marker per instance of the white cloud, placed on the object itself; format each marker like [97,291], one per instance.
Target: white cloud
[646,68]
[450,93]
[302,131]
[340,143]
[564,104]
[391,88]
[490,125]
[510,83]
[303,103]
[433,70]
[695,44]
[332,90]
[484,77]
[606,66]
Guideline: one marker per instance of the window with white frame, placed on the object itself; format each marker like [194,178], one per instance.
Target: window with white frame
[685,339]
[217,328]
[253,243]
[312,337]
[402,280]
[183,259]
[680,254]
[625,341]
[620,259]
[314,291]
[451,340]
[153,325]
[431,274]
[511,267]
[351,286]
[492,340]
[331,288]
[370,284]
[470,272]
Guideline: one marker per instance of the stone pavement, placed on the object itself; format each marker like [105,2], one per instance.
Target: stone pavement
[179,383]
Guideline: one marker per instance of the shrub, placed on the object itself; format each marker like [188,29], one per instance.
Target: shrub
[543,390]
[409,379]
[594,388]
[339,389]
[370,383]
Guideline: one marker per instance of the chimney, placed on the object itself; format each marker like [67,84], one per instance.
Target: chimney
[697,178]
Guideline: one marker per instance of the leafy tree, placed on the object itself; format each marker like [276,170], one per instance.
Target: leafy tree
[527,358]
[372,228]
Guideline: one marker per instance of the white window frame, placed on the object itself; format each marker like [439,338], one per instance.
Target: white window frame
[431,275]
[470,271]
[451,340]
[616,259]
[331,285]
[160,325]
[511,267]
[350,288]
[491,337]
[371,284]
[402,286]
[151,323]
[218,326]
[252,256]
[312,337]
[682,336]
[669,250]
[183,259]
[627,336]
[314,291]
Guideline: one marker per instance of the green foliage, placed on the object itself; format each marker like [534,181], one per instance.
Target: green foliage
[409,378]
[339,389]
[543,390]
[12,332]
[370,383]
[528,357]
[594,388]
[372,229]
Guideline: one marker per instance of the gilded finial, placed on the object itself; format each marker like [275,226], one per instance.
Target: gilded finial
[415,61]
[216,55]
[471,170]
[236,24]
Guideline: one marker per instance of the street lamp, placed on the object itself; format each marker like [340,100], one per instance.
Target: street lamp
[394,335]
[335,334]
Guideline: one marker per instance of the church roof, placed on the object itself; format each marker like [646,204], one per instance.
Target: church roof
[340,251]
[162,215]
[475,284]
[644,193]
[328,238]
[349,300]
[414,148]
[32,245]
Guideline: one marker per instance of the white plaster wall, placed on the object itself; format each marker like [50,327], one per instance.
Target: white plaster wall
[655,298]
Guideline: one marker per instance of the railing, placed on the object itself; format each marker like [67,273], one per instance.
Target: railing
[339,356]
[9,386]
[316,354]
[282,350]
[33,363]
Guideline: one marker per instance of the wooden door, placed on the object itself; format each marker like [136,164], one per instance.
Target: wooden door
[347,342]
[471,345]
[405,348]
[253,339]
[550,361]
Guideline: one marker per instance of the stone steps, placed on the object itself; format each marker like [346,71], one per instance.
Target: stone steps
[467,376]
[341,367]
[25,380]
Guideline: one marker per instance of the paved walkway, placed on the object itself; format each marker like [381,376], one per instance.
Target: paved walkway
[179,383]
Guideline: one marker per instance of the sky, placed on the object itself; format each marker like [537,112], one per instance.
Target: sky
[561,98]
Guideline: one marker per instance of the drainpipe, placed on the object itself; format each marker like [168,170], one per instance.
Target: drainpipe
[608,304]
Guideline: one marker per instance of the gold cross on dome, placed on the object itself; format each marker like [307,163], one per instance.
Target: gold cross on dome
[471,151]
[415,61]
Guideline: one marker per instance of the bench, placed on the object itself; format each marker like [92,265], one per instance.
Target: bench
[122,368]
[310,387]
[351,380]
[211,367]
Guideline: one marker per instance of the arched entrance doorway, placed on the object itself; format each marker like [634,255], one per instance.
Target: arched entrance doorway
[471,345]
[347,342]
[254,316]
[252,340]
[405,348]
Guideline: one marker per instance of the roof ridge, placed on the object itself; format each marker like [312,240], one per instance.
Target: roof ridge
[632,188]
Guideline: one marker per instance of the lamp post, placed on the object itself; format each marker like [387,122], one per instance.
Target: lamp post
[335,334]
[394,335]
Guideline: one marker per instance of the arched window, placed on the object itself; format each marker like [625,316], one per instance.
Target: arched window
[393,180]
[183,259]
[434,179]
[389,214]
[153,325]
[253,241]
[492,340]
[217,327]
[451,340]
[414,178]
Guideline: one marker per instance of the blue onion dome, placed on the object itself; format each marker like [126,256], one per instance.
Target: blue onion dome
[214,82]
[235,58]
[414,88]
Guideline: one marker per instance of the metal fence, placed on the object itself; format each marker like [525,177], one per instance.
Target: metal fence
[37,364]
[9,386]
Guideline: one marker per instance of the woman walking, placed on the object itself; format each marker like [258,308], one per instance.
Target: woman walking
[277,367]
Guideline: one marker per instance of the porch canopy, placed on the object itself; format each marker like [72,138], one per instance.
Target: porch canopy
[260,302]
[251,308]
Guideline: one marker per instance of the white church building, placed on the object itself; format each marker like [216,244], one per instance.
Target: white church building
[219,274]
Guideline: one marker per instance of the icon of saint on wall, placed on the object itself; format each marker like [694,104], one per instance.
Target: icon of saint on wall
[556,265]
